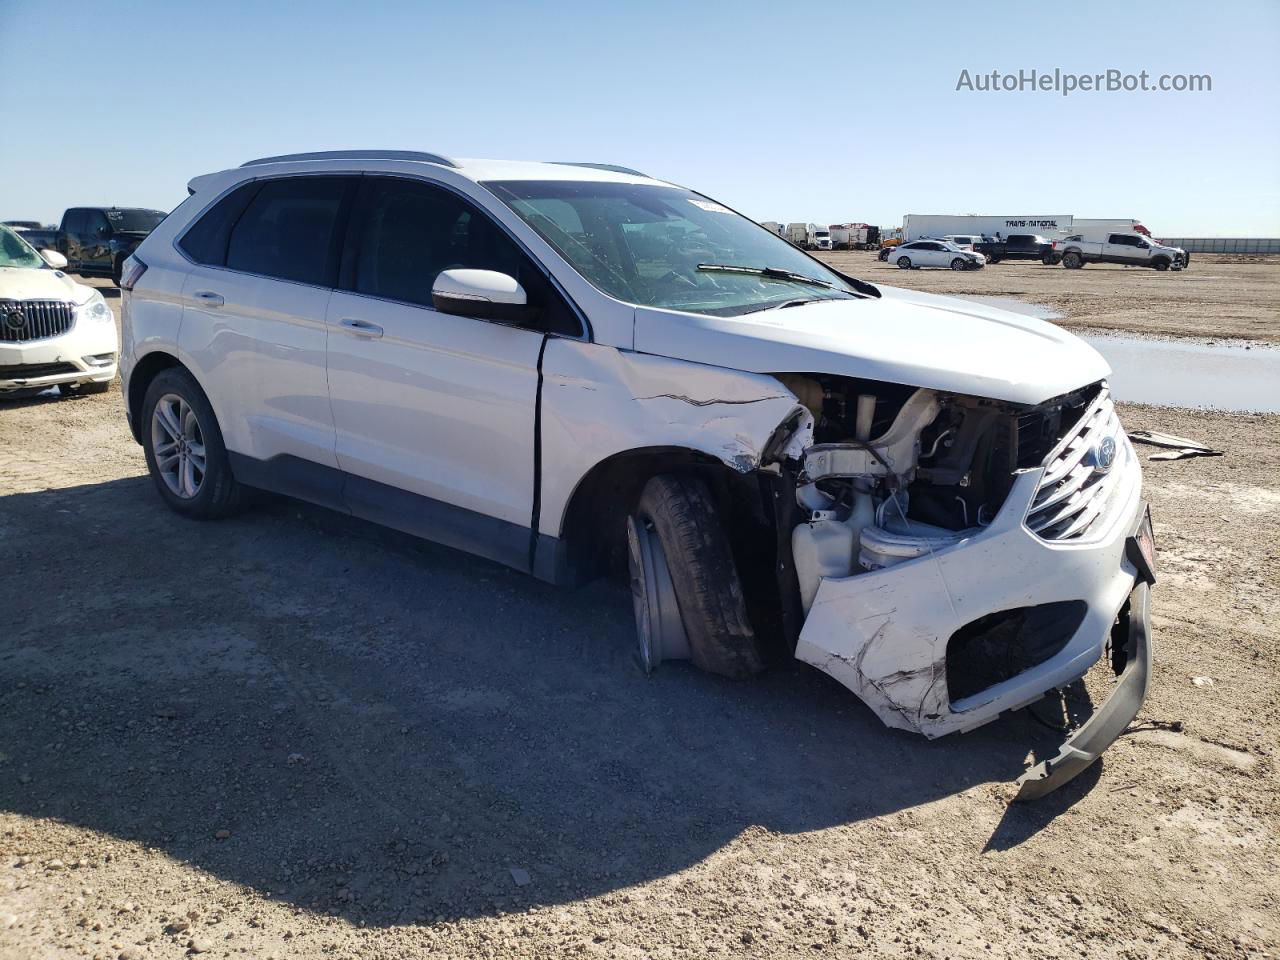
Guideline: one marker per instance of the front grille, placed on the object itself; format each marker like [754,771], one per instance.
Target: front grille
[25,320]
[1077,484]
[30,371]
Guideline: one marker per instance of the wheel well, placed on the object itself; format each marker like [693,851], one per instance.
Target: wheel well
[593,528]
[1160,258]
[145,371]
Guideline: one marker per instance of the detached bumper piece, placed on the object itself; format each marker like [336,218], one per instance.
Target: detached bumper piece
[1110,720]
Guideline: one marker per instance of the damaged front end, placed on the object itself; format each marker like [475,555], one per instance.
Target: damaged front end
[956,557]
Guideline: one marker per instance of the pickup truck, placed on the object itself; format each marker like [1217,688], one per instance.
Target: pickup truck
[1130,249]
[1018,246]
[96,240]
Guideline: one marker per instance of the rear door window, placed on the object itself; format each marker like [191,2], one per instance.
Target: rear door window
[291,230]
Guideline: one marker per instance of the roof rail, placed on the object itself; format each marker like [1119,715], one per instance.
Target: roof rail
[611,167]
[357,155]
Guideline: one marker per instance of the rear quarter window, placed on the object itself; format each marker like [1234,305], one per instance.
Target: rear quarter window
[205,241]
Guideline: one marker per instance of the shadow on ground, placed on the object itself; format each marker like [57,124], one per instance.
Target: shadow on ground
[386,727]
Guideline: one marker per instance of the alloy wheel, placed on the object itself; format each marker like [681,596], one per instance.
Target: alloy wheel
[178,445]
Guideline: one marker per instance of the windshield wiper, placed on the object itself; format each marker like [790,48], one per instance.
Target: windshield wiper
[773,273]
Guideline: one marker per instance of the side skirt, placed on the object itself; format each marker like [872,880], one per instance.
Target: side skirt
[498,540]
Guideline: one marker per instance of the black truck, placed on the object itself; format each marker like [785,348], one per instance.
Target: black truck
[96,240]
[1018,246]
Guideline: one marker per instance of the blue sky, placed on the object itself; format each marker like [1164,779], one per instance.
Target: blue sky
[823,112]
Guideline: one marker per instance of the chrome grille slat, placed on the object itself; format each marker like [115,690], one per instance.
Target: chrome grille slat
[41,319]
[1072,494]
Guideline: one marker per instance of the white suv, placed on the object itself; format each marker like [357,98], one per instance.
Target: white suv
[53,331]
[560,365]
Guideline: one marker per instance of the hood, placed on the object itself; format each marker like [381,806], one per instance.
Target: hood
[32,283]
[917,339]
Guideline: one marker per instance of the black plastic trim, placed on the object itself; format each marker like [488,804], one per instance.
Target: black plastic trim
[1111,719]
[511,544]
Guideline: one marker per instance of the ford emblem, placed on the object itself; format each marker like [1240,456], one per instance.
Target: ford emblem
[1104,455]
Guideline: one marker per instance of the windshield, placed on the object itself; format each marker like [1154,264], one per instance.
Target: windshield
[668,247]
[16,252]
[131,220]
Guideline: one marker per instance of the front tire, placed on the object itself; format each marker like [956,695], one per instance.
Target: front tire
[959,264]
[1072,260]
[677,523]
[183,445]
[904,263]
[1161,265]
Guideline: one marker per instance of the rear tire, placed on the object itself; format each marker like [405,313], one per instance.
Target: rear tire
[678,510]
[188,431]
[904,263]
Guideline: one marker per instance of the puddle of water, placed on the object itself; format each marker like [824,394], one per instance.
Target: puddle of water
[1178,373]
[1173,373]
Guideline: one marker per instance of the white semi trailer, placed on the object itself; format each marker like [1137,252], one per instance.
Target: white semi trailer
[1097,228]
[801,234]
[1053,226]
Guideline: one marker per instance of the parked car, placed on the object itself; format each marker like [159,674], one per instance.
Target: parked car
[1130,249]
[936,253]
[53,331]
[552,365]
[96,240]
[965,241]
[1018,246]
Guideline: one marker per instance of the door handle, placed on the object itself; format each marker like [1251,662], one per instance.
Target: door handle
[209,298]
[361,328]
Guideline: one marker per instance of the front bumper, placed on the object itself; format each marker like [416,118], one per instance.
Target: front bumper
[88,352]
[1111,719]
[884,634]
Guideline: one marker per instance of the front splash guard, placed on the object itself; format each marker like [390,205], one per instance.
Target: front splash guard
[1110,720]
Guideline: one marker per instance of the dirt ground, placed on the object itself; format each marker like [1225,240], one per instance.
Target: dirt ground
[292,734]
[1218,297]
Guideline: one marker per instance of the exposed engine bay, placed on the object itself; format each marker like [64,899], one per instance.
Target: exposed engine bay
[897,472]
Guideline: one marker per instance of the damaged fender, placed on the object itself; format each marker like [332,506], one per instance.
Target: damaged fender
[599,401]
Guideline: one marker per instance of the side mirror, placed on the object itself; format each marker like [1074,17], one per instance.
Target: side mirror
[54,259]
[484,294]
